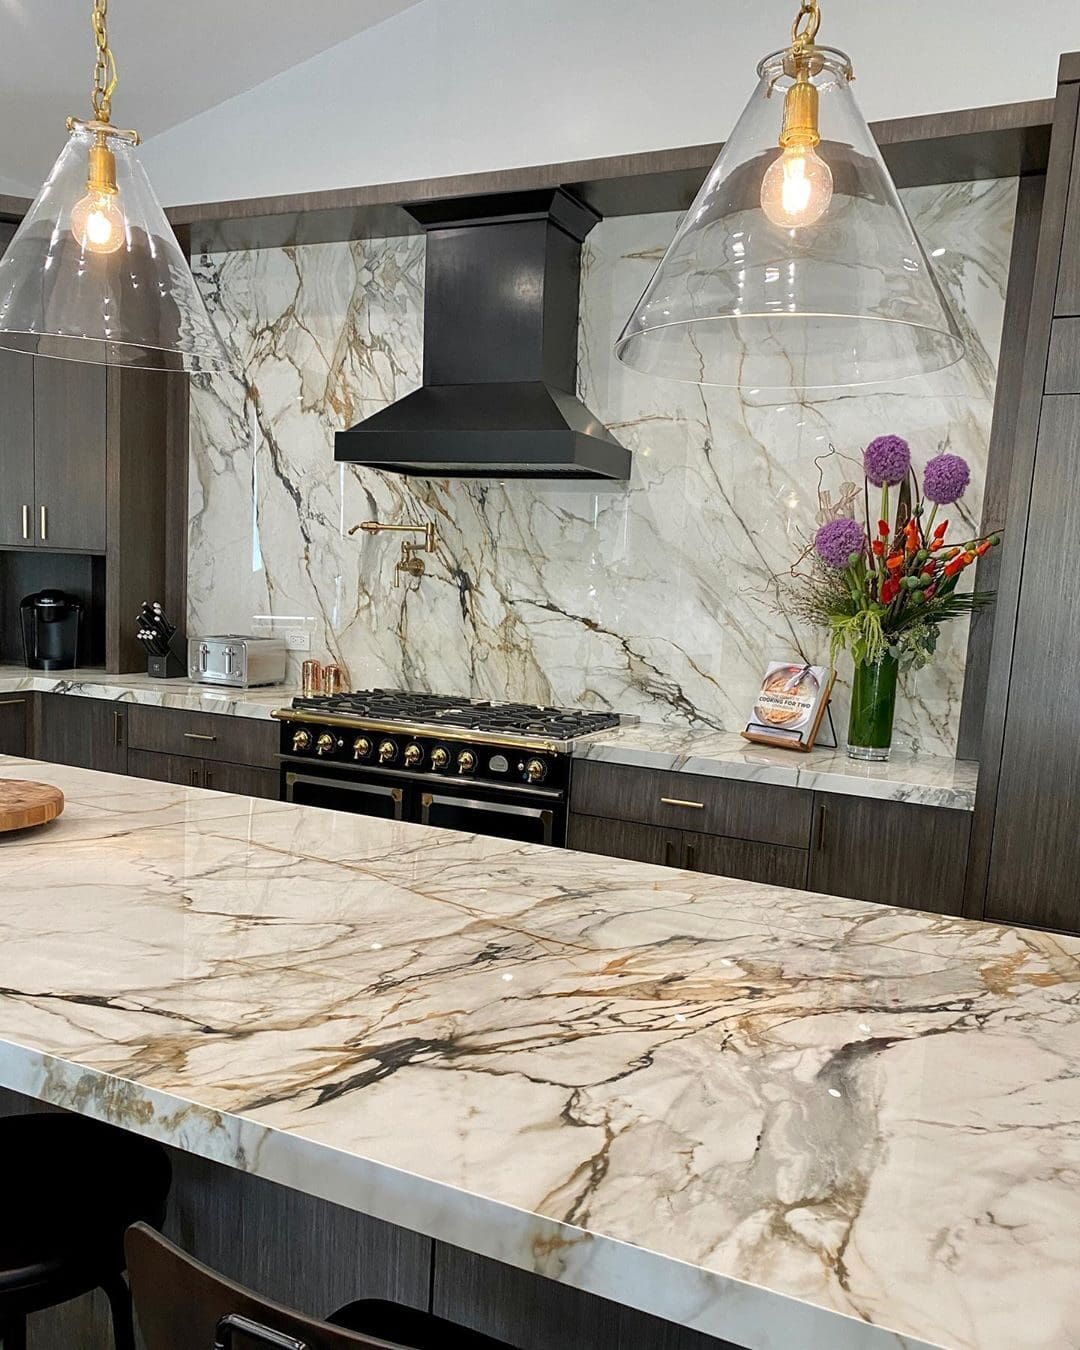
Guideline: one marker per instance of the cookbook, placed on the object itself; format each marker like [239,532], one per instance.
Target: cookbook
[790,705]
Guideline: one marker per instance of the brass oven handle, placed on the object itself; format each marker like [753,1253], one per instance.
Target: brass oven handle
[44,523]
[25,521]
[544,816]
[198,736]
[680,801]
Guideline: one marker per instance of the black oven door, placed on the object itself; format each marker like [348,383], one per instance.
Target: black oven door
[533,820]
[345,794]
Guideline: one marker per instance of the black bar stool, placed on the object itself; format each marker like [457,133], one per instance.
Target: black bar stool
[69,1188]
[184,1305]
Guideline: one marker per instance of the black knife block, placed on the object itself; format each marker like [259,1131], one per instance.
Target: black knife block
[173,664]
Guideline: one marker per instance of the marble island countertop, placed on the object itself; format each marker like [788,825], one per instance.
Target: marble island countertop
[925,779]
[789,1120]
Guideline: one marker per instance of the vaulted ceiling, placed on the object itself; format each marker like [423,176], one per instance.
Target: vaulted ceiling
[175,60]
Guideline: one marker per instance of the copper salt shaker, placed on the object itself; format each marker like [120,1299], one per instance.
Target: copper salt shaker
[312,678]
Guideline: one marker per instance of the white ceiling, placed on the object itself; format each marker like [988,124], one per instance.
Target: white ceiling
[174,60]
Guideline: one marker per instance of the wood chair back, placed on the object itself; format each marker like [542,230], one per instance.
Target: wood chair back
[183,1305]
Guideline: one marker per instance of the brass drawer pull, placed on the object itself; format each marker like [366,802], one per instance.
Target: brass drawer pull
[679,801]
[10,702]
[198,736]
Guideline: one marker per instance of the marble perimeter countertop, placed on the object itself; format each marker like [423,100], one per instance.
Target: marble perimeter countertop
[919,779]
[781,1118]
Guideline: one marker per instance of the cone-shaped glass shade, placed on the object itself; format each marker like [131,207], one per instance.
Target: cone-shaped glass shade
[99,276]
[794,268]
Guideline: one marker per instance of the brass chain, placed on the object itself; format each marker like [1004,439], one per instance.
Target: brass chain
[104,64]
[805,28]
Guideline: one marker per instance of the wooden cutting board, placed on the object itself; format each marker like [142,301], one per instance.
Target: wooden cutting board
[24,803]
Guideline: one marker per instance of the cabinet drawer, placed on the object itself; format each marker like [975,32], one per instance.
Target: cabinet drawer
[771,864]
[241,778]
[623,839]
[14,721]
[172,731]
[192,772]
[165,768]
[687,801]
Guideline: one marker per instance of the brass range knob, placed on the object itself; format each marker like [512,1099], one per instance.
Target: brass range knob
[387,752]
[413,755]
[301,740]
[361,747]
[535,770]
[440,757]
[466,761]
[325,744]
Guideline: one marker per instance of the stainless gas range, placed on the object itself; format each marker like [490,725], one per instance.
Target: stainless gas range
[464,764]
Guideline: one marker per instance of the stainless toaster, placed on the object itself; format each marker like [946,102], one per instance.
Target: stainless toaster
[230,658]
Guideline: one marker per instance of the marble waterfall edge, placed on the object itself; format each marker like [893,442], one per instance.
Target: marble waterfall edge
[656,597]
[790,1120]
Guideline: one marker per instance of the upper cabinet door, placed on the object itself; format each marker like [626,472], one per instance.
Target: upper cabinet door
[69,455]
[16,449]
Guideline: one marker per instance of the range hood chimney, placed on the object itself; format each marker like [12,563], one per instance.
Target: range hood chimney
[500,351]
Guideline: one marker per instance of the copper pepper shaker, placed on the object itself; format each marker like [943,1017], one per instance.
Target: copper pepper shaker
[333,678]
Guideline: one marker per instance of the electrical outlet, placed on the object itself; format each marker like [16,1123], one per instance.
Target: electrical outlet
[298,640]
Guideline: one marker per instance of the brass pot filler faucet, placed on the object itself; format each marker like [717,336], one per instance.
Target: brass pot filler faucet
[410,561]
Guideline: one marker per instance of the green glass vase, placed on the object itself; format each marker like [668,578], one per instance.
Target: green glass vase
[873,704]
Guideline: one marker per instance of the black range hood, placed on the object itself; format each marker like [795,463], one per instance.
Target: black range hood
[500,351]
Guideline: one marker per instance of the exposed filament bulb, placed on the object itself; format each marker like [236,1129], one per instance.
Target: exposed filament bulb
[797,187]
[97,220]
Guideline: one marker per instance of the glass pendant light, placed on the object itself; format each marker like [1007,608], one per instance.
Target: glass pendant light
[796,266]
[95,272]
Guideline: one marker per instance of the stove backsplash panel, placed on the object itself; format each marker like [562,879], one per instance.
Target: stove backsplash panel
[656,597]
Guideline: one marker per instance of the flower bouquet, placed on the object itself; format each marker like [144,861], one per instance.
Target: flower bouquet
[883,589]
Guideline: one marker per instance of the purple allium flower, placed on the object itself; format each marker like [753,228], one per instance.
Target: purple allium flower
[837,540]
[946,479]
[886,460]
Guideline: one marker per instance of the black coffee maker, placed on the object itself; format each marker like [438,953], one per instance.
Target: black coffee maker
[50,629]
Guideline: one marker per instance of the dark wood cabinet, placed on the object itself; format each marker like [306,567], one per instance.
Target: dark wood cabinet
[773,864]
[165,768]
[535,1313]
[69,455]
[210,736]
[246,779]
[93,494]
[1035,857]
[90,733]
[210,750]
[860,847]
[52,454]
[16,449]
[15,724]
[721,806]
[892,852]
[622,839]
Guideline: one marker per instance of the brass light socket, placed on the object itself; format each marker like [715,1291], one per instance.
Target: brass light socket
[800,125]
[101,176]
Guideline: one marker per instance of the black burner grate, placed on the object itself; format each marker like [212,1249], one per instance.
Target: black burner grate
[518,719]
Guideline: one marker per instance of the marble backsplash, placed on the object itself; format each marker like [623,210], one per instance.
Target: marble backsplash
[657,597]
